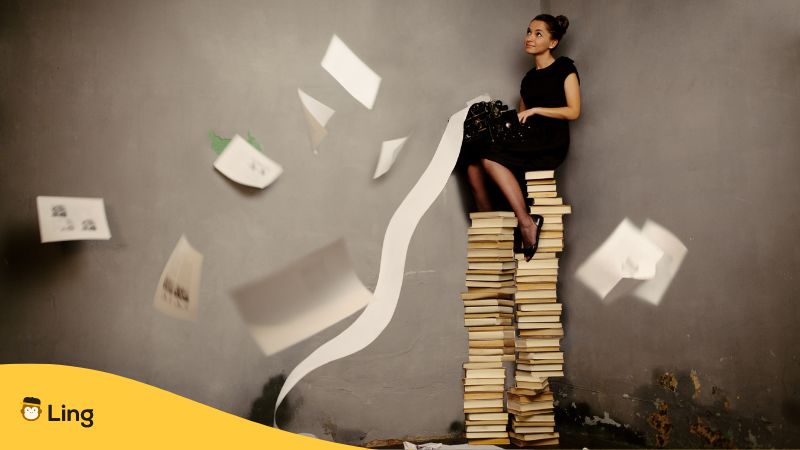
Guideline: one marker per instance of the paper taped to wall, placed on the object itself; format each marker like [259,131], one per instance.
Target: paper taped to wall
[178,289]
[317,115]
[389,152]
[244,164]
[348,69]
[378,313]
[302,299]
[71,219]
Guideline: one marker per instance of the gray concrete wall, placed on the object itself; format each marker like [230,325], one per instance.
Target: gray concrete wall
[690,119]
[115,100]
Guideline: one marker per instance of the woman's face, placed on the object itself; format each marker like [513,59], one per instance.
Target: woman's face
[538,40]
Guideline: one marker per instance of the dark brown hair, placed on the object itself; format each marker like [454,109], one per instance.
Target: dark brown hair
[557,26]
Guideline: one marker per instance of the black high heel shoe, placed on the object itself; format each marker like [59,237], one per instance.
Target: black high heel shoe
[528,252]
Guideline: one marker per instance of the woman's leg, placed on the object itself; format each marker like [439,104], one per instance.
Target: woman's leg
[508,184]
[477,181]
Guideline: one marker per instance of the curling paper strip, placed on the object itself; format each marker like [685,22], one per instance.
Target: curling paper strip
[377,315]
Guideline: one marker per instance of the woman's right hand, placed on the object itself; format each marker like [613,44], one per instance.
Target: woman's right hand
[523,115]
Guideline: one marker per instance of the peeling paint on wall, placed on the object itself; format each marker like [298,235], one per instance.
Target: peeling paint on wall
[661,422]
[726,403]
[696,383]
[709,435]
[668,381]
[752,439]
[606,419]
[605,432]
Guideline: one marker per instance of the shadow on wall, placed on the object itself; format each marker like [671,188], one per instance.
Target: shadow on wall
[26,262]
[25,259]
[263,409]
[674,411]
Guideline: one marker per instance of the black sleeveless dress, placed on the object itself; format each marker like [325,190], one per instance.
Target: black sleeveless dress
[549,141]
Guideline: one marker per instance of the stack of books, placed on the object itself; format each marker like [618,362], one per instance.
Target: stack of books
[489,298]
[484,408]
[488,316]
[534,422]
[538,320]
[545,201]
[530,401]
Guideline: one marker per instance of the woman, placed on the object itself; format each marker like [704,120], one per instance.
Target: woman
[550,97]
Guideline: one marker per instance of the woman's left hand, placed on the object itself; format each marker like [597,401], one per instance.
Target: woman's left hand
[523,116]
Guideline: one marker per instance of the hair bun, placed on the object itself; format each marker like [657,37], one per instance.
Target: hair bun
[563,23]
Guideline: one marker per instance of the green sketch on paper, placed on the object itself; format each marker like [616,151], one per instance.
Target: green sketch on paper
[218,143]
[254,142]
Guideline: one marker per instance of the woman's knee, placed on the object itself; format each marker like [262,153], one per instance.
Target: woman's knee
[475,170]
[486,164]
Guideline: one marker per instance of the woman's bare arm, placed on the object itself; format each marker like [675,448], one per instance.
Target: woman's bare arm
[522,106]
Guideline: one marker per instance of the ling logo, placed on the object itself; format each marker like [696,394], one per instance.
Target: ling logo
[32,410]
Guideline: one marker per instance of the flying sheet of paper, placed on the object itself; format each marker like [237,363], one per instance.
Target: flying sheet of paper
[674,252]
[178,288]
[242,163]
[378,313]
[348,69]
[626,253]
[317,115]
[389,152]
[427,446]
[71,219]
[304,298]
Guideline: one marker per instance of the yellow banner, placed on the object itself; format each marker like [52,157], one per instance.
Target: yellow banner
[53,406]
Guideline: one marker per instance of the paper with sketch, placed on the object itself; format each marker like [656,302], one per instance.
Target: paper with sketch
[302,299]
[389,152]
[627,253]
[178,288]
[674,252]
[244,164]
[317,115]
[348,69]
[71,219]
[378,313]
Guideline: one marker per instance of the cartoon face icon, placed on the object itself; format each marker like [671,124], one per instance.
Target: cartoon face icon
[31,408]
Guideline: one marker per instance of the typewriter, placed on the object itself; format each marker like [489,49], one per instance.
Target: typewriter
[493,122]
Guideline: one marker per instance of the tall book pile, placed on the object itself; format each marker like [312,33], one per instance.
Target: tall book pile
[488,316]
[538,321]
